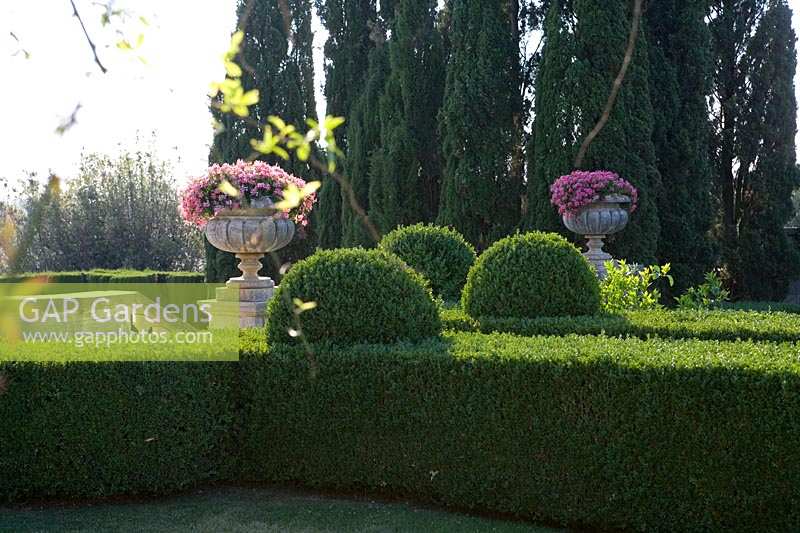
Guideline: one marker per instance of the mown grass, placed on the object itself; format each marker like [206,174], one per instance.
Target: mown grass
[245,510]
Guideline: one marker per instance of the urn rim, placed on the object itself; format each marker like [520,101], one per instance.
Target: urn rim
[249,212]
[615,198]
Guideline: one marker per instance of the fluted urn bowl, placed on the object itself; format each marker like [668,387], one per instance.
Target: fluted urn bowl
[249,231]
[605,217]
[595,222]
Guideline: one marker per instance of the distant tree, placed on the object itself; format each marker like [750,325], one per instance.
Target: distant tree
[350,25]
[681,61]
[364,139]
[406,172]
[584,47]
[118,212]
[754,156]
[480,193]
[277,59]
[10,223]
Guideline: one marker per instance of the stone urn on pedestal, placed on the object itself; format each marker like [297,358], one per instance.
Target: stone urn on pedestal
[249,233]
[595,222]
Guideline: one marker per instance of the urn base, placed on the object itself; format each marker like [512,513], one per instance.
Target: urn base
[243,301]
[226,314]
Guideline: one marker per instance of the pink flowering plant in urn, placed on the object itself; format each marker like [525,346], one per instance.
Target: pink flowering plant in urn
[249,209]
[594,204]
[257,185]
[581,188]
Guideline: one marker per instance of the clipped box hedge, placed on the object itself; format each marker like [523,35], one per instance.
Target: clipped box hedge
[704,325]
[642,435]
[107,276]
[82,430]
[648,435]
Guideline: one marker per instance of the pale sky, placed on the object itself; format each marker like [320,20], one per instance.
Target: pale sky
[167,95]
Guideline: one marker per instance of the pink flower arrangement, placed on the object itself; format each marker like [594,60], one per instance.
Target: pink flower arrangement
[575,191]
[203,197]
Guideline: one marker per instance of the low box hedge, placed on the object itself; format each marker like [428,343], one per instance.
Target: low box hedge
[107,276]
[704,325]
[81,430]
[641,435]
[745,305]
[49,277]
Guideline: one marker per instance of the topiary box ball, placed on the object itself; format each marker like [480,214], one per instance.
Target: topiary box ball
[531,275]
[361,296]
[440,254]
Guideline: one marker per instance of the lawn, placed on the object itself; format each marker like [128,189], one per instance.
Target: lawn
[249,510]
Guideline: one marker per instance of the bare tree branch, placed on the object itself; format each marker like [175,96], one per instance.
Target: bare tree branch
[88,39]
[612,97]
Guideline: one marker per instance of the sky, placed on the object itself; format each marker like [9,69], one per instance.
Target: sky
[161,104]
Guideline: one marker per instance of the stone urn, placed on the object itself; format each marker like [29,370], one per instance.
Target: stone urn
[596,221]
[249,233]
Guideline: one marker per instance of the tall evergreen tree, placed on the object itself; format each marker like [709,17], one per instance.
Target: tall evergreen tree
[363,140]
[406,175]
[350,24]
[754,148]
[480,195]
[585,44]
[680,83]
[277,60]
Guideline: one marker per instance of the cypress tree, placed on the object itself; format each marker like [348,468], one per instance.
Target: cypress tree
[480,196]
[363,139]
[350,24]
[406,174]
[754,148]
[680,83]
[277,60]
[584,46]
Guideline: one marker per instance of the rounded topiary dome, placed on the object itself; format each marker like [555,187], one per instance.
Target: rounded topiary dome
[440,254]
[360,295]
[530,275]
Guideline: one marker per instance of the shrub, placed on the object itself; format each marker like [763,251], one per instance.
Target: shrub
[710,294]
[360,296]
[118,212]
[83,430]
[628,287]
[615,434]
[440,254]
[529,275]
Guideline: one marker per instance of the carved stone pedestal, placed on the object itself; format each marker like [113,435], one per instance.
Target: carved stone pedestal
[596,255]
[245,297]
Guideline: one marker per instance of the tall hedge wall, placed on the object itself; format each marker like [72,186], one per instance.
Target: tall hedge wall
[647,435]
[642,435]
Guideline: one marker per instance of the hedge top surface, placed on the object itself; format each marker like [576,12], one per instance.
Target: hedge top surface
[709,325]
[531,275]
[440,254]
[360,295]
[499,349]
